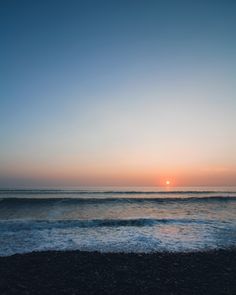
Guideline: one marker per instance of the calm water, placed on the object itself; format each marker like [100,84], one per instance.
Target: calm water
[126,220]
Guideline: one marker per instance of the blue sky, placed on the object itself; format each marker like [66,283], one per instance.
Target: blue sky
[117,92]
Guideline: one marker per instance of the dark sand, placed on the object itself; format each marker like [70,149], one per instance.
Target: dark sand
[95,273]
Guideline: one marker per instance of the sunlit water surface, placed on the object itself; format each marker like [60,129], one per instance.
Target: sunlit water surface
[117,220]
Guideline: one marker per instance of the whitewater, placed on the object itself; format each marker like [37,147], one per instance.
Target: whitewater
[117,219]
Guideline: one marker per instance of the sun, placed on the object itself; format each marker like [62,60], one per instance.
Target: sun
[167,182]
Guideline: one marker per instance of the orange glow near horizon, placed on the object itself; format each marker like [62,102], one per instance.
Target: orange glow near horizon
[155,107]
[65,173]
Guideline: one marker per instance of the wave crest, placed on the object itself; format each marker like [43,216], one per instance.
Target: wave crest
[15,225]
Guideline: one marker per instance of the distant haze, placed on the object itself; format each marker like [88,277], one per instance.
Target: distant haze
[117,93]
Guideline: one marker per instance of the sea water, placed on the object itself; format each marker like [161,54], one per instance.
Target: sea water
[117,219]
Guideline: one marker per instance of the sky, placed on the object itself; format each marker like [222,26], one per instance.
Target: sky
[123,93]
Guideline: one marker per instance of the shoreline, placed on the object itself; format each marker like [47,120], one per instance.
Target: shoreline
[77,272]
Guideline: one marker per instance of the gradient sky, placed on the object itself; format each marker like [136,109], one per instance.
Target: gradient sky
[117,92]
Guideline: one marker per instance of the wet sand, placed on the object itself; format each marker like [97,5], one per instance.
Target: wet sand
[75,272]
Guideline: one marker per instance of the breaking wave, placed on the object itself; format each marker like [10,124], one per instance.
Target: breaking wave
[15,225]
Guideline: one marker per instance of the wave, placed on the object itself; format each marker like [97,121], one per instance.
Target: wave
[16,225]
[101,200]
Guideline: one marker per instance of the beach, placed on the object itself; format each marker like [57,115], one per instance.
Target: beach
[76,272]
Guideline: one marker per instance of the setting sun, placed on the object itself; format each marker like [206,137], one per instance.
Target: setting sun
[167,182]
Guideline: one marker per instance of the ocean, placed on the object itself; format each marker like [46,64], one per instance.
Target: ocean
[117,219]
